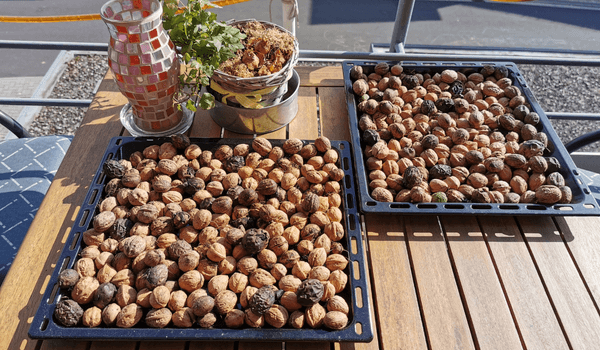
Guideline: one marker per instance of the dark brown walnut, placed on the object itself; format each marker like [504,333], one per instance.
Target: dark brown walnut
[255,240]
[180,141]
[531,148]
[310,203]
[267,187]
[120,229]
[310,292]
[133,246]
[68,313]
[412,177]
[162,224]
[178,248]
[68,278]
[193,185]
[113,169]
[156,276]
[262,300]
[247,197]
[181,219]
[538,164]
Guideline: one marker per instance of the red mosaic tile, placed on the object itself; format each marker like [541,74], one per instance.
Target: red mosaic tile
[121,29]
[153,33]
[151,88]
[119,77]
[134,60]
[156,44]
[134,38]
[137,4]
[146,70]
[163,76]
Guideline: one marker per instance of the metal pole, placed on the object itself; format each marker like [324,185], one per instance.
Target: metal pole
[57,102]
[290,14]
[405,9]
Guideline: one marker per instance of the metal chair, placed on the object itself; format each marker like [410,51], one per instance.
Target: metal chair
[27,166]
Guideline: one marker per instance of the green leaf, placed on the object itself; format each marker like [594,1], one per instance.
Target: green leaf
[207,101]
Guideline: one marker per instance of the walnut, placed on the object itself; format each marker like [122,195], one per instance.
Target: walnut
[339,280]
[68,313]
[84,290]
[548,194]
[260,278]
[191,281]
[92,317]
[129,316]
[335,320]
[262,146]
[276,316]
[225,302]
[315,315]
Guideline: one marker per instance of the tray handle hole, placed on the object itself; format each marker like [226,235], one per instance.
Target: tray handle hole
[358,329]
[563,207]
[350,201]
[353,246]
[352,222]
[400,206]
[75,239]
[346,163]
[509,207]
[52,296]
[536,207]
[93,197]
[575,172]
[587,191]
[356,266]
[371,204]
[359,301]
[84,217]
[454,206]
[481,206]
[589,206]
[119,141]
[44,324]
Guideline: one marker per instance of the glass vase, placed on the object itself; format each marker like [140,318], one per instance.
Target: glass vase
[145,67]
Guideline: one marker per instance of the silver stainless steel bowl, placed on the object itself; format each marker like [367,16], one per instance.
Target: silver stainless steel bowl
[259,121]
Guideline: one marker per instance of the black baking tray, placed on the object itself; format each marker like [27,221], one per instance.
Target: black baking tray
[583,203]
[359,329]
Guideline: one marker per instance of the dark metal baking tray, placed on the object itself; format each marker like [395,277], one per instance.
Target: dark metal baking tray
[359,329]
[583,203]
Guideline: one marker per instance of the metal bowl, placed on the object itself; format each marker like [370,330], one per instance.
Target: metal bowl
[259,121]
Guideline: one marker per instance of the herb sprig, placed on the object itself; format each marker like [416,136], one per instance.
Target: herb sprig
[203,43]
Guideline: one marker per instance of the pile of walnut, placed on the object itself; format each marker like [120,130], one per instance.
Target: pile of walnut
[242,237]
[451,137]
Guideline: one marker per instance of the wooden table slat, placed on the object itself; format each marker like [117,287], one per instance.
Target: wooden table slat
[584,245]
[320,76]
[529,303]
[576,310]
[163,345]
[305,125]
[397,327]
[334,113]
[488,311]
[64,344]
[441,305]
[206,345]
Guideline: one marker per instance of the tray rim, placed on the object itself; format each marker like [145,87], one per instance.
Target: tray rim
[43,317]
[587,207]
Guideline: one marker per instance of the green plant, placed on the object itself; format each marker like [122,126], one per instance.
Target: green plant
[203,43]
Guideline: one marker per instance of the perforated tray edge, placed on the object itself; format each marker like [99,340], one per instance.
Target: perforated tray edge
[586,205]
[359,329]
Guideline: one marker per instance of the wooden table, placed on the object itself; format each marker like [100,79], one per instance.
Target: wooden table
[456,282]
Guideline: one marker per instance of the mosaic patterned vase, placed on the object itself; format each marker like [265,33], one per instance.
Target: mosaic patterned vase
[145,67]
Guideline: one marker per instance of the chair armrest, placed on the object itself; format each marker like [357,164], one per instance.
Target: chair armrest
[13,126]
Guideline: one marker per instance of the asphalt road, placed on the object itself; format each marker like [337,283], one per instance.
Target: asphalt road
[339,25]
